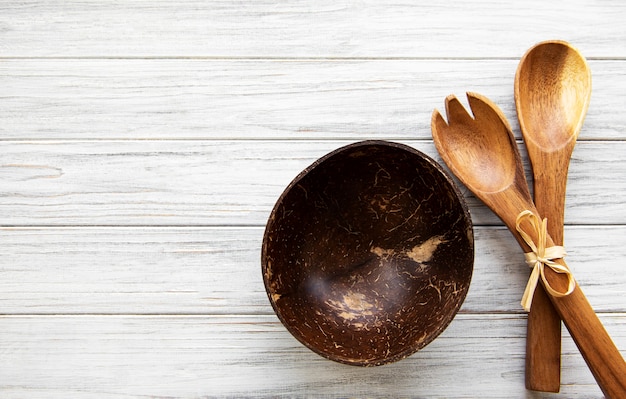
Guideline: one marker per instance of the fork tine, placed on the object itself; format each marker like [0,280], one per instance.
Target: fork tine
[456,111]
[484,109]
[437,122]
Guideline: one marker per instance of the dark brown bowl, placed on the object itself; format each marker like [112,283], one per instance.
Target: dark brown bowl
[368,253]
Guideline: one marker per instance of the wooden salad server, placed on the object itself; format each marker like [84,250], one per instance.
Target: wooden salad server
[552,94]
[481,151]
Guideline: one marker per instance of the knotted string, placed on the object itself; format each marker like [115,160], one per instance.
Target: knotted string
[539,257]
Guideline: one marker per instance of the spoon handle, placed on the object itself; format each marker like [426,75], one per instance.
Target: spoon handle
[543,335]
[543,345]
[602,356]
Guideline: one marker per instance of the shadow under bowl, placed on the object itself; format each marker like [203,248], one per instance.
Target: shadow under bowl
[368,254]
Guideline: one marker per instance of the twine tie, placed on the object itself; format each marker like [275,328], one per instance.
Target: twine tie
[540,257]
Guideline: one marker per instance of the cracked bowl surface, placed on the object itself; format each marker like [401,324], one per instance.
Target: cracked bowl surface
[368,254]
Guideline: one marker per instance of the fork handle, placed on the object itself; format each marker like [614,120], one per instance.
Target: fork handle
[599,351]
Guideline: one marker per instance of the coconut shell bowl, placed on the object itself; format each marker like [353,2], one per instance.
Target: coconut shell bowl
[368,254]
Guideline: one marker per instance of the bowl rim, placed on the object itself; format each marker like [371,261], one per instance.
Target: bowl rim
[411,348]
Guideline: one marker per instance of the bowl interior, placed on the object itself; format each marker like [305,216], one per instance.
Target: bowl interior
[368,253]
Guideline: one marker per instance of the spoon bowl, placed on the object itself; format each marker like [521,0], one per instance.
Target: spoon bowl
[368,253]
[552,91]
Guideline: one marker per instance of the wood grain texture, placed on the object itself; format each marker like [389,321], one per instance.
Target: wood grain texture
[223,182]
[186,356]
[144,143]
[54,99]
[216,270]
[298,28]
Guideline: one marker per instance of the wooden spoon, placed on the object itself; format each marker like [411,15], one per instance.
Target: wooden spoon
[481,151]
[552,93]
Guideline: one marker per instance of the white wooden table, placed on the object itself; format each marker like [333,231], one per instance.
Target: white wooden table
[144,143]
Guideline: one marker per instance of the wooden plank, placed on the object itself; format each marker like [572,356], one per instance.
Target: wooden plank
[111,357]
[299,28]
[217,270]
[276,99]
[225,182]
